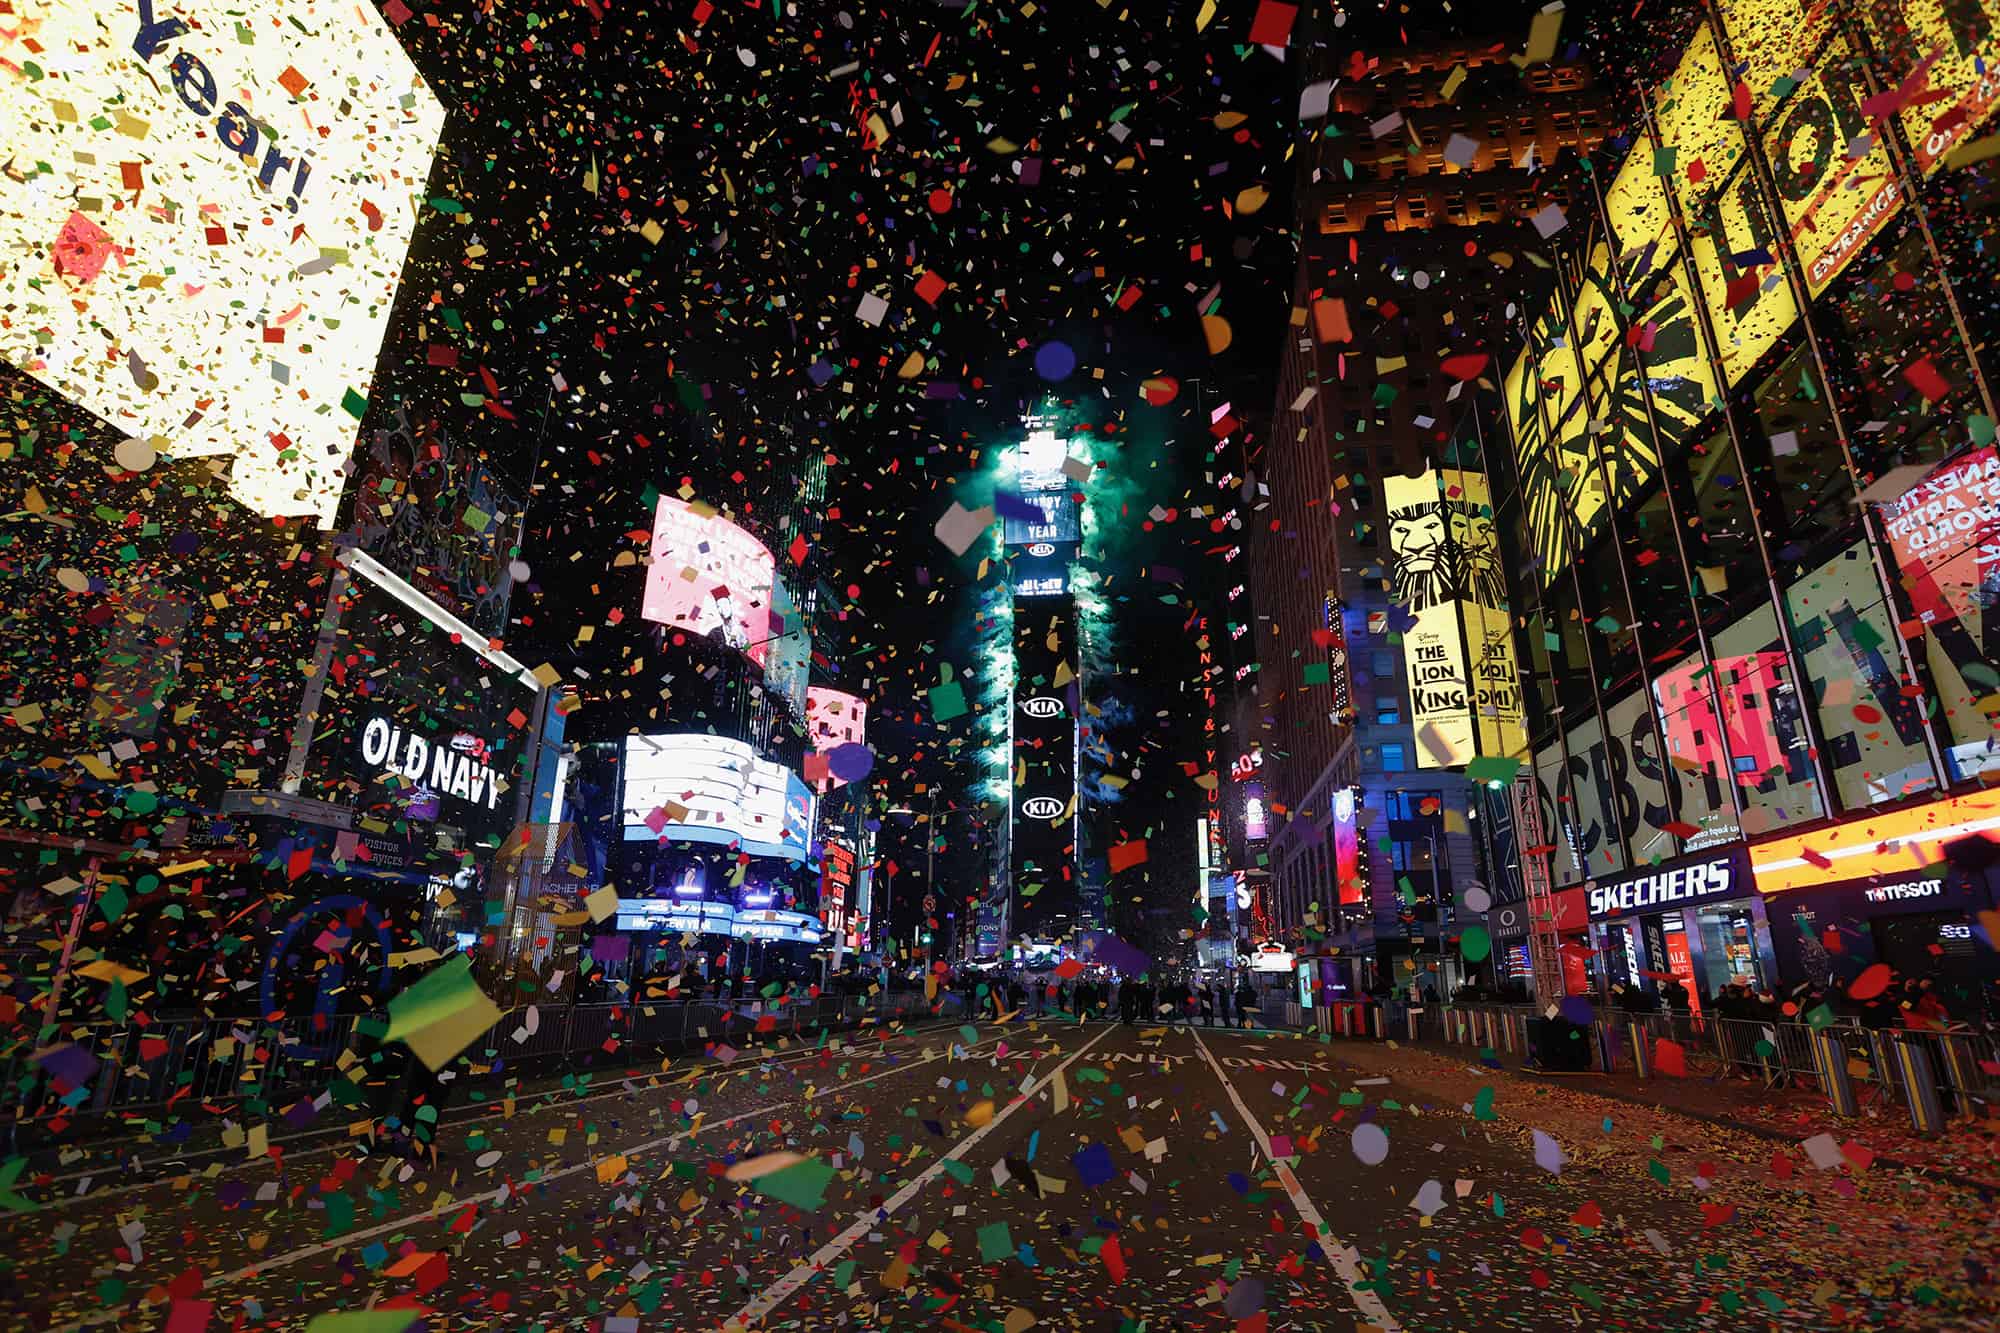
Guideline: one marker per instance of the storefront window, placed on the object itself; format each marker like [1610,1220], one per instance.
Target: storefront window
[1728,946]
[1846,636]
[1764,727]
[1697,760]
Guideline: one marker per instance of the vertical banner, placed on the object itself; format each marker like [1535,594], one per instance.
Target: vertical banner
[1458,647]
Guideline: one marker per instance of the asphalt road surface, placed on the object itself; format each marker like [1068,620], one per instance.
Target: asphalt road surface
[1041,1175]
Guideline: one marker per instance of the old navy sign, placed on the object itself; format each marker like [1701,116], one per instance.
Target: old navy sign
[1720,876]
[450,768]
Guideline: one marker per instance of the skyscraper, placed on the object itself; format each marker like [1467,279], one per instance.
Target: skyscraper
[1422,200]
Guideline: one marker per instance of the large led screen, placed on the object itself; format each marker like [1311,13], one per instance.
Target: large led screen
[835,718]
[1948,48]
[709,577]
[1833,173]
[205,223]
[714,789]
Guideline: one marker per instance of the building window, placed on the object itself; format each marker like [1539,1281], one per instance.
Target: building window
[1386,714]
[1392,758]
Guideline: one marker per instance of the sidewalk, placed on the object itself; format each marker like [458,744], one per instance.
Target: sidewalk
[1968,1153]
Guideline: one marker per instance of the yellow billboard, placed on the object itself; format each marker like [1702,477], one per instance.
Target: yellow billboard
[1458,649]
[1732,235]
[1834,177]
[1560,489]
[1939,61]
[205,222]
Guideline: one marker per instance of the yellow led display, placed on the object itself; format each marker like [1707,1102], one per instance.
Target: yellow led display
[1458,654]
[1831,167]
[205,224]
[1940,65]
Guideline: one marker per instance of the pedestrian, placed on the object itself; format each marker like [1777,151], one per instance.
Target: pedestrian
[1222,990]
[1246,1003]
[1207,1004]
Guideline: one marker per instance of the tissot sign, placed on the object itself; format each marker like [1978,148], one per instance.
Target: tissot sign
[1659,888]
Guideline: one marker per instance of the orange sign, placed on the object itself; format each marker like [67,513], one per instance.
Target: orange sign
[1892,842]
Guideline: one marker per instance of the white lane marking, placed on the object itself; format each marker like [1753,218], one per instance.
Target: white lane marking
[172,1168]
[340,1242]
[801,1273]
[1346,1259]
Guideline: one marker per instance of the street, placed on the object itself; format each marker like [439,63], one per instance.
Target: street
[1042,1175]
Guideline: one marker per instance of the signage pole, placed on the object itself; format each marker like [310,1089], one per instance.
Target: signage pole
[315,691]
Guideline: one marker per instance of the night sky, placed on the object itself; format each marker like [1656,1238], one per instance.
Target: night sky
[678,214]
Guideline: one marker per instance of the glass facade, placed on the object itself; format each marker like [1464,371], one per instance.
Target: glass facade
[1747,485]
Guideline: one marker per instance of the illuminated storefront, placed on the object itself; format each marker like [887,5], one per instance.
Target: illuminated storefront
[1744,493]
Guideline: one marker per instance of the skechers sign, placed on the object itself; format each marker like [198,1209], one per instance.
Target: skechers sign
[1670,886]
[1042,705]
[1042,807]
[455,767]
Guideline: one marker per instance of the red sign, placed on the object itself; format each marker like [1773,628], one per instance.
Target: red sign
[836,878]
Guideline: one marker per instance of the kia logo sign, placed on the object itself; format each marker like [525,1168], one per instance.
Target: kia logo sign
[1042,807]
[1040,549]
[1042,705]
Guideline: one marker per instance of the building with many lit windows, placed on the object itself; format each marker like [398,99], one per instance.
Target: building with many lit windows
[1417,200]
[1746,493]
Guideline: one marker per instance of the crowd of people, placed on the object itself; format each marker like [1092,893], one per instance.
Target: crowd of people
[1209,1000]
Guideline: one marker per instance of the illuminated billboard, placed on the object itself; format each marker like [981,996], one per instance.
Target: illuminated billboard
[1948,48]
[1893,842]
[709,577]
[206,225]
[1458,650]
[1806,89]
[835,718]
[1945,536]
[1044,802]
[416,725]
[713,789]
[1350,886]
[1732,234]
[789,663]
[836,880]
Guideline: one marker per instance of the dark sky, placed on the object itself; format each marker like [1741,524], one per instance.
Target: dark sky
[693,242]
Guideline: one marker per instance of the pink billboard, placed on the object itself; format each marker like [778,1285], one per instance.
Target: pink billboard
[709,577]
[833,718]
